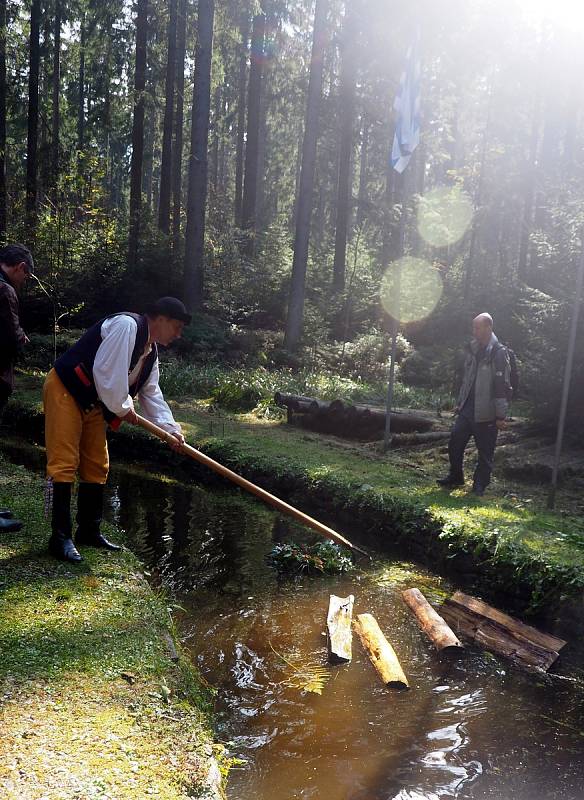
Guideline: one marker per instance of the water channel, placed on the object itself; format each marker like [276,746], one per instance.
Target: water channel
[475,728]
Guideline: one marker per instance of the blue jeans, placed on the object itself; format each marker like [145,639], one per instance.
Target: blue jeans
[485,436]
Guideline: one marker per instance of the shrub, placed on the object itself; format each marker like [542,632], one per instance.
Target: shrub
[324,558]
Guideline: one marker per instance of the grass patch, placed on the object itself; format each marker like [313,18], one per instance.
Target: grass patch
[93,706]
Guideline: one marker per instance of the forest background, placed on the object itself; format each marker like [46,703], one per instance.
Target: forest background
[236,153]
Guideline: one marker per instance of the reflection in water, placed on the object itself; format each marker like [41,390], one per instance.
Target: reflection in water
[473,729]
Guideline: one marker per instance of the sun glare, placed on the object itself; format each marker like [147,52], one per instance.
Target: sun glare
[411,289]
[563,13]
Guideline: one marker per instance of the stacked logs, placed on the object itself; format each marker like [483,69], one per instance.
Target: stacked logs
[354,421]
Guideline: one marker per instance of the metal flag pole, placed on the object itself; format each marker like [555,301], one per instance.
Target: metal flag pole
[567,377]
[396,320]
[406,139]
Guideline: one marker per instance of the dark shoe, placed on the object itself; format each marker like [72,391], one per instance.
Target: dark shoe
[449,482]
[97,540]
[89,513]
[9,525]
[6,513]
[61,542]
[64,550]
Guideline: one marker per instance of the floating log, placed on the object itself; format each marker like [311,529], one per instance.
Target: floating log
[523,645]
[380,652]
[435,628]
[338,623]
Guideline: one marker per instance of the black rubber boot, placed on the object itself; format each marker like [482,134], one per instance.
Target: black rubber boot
[61,542]
[450,481]
[89,514]
[9,525]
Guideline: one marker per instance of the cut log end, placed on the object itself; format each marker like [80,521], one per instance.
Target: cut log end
[431,623]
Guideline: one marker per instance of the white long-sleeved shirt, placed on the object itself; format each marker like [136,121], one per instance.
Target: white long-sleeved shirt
[112,376]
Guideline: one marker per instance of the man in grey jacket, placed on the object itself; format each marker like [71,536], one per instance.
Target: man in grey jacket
[482,405]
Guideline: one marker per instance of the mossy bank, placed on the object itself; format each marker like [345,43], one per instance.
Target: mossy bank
[505,546]
[95,703]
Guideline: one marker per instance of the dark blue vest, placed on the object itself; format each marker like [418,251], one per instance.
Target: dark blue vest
[75,366]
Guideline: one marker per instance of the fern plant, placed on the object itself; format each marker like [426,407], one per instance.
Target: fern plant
[308,676]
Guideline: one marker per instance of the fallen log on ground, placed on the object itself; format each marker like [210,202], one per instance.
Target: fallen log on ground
[401,421]
[435,628]
[522,644]
[338,624]
[351,421]
[380,652]
[412,439]
[294,402]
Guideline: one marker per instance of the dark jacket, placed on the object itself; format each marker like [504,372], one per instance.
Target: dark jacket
[12,337]
[491,377]
[75,366]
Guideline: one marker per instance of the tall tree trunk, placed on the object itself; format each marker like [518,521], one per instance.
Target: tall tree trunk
[44,162]
[33,118]
[248,211]
[389,237]
[363,173]
[178,125]
[304,210]
[81,91]
[242,85]
[262,149]
[166,161]
[348,80]
[138,132]
[478,200]
[529,184]
[55,120]
[217,117]
[198,160]
[3,192]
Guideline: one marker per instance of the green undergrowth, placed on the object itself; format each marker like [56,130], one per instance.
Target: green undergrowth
[92,703]
[254,388]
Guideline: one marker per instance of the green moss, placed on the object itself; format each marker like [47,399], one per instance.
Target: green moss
[92,704]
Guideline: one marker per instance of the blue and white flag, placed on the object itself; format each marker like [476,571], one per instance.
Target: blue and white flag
[407,107]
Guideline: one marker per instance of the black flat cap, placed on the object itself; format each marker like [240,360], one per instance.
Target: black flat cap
[169,307]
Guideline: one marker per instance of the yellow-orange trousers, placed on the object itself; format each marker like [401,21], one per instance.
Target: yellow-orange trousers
[75,440]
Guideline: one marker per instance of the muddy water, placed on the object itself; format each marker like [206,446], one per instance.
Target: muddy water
[475,728]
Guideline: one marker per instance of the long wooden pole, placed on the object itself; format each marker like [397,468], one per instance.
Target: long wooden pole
[271,499]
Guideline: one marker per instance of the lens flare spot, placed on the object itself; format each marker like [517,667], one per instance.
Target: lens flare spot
[444,215]
[411,289]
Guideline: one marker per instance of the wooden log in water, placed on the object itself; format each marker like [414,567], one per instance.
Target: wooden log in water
[435,628]
[380,652]
[524,645]
[338,623]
